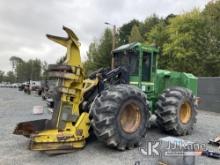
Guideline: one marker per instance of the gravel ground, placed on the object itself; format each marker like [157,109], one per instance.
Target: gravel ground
[16,106]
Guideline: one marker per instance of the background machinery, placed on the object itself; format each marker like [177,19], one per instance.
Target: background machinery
[116,103]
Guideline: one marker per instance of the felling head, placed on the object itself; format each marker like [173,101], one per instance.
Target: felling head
[71,42]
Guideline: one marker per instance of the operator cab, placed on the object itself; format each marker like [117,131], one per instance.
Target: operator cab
[140,62]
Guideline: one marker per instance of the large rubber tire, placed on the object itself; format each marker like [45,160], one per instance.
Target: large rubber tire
[176,111]
[108,110]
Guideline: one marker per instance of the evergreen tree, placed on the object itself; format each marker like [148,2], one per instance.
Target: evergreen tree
[125,31]
[1,76]
[99,54]
[135,35]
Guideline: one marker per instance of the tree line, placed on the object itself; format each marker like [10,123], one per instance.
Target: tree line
[189,42]
[33,69]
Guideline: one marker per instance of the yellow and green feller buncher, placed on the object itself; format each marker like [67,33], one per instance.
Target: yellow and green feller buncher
[114,104]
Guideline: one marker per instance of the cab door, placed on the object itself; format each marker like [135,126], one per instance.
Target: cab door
[147,84]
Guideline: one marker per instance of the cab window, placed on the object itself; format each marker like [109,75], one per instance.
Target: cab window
[129,60]
[146,64]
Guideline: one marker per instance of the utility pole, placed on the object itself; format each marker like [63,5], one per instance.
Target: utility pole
[113,42]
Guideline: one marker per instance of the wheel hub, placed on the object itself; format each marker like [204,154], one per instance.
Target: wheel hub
[130,118]
[185,113]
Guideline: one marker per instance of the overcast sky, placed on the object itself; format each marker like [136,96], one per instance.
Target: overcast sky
[24,23]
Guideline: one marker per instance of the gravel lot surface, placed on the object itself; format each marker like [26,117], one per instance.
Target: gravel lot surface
[16,107]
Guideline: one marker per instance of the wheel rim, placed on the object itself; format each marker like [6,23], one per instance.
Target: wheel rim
[185,113]
[130,118]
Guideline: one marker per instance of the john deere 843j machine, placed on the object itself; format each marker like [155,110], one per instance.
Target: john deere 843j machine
[114,104]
